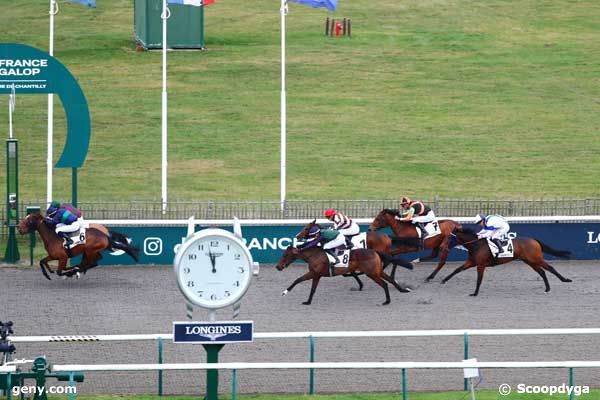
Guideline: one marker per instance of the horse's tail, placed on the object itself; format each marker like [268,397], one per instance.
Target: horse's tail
[554,252]
[118,241]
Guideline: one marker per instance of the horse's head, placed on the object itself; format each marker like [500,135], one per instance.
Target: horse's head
[30,223]
[288,256]
[303,234]
[382,220]
[464,234]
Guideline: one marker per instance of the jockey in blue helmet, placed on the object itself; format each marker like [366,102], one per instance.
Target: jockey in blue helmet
[495,228]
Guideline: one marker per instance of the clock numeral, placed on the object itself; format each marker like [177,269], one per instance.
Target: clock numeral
[227,293]
[192,256]
[241,270]
[237,257]
[213,296]
[227,247]
[201,247]
[214,243]
[237,283]
[187,270]
[200,293]
[190,284]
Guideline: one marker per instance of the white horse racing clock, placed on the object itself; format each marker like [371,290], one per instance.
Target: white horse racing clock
[213,268]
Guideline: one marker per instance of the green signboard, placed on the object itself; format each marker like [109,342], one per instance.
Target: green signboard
[29,70]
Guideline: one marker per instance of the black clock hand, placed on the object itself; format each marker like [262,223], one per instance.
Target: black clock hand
[213,258]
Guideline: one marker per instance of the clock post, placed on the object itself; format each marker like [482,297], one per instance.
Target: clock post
[213,269]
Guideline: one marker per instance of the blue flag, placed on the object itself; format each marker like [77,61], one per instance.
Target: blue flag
[329,4]
[88,3]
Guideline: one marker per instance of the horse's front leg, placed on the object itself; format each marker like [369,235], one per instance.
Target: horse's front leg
[44,266]
[313,288]
[309,275]
[443,257]
[468,264]
[480,270]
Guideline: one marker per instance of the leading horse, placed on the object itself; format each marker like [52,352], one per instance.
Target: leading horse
[528,250]
[408,239]
[361,260]
[97,240]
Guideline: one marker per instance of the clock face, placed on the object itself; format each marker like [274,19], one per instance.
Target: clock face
[213,268]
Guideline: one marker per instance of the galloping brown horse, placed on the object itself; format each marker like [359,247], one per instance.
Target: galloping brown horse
[378,241]
[526,249]
[361,260]
[98,239]
[408,239]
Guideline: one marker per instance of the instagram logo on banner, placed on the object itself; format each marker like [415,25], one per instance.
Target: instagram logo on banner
[153,246]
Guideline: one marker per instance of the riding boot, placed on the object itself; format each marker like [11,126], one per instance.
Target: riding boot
[349,243]
[68,242]
[333,253]
[422,227]
[498,243]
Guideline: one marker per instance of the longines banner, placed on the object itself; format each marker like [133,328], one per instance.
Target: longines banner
[26,69]
[266,243]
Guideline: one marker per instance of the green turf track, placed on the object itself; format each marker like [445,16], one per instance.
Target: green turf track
[454,98]
[480,395]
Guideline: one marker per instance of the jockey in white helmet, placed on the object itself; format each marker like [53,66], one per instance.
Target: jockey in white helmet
[495,228]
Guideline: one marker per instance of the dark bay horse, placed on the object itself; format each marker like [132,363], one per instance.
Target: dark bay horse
[98,239]
[378,241]
[408,240]
[528,250]
[361,260]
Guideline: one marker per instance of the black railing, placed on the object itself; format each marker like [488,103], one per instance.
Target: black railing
[306,209]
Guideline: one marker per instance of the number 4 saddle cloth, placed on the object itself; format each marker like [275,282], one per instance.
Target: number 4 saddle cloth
[507,249]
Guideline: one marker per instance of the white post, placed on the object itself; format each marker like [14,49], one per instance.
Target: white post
[11,108]
[283,12]
[164,16]
[49,166]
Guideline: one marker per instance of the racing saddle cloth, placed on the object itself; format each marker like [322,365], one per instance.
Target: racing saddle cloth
[507,249]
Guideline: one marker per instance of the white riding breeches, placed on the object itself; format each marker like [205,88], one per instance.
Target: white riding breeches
[424,219]
[496,233]
[353,230]
[340,240]
[74,227]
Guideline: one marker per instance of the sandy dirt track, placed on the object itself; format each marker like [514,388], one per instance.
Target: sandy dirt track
[129,300]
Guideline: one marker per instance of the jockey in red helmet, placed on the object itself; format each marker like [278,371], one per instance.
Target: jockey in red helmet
[417,213]
[342,223]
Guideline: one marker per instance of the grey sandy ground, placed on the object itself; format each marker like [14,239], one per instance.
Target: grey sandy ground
[129,300]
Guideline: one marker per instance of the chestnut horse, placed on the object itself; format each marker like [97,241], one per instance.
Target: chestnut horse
[97,239]
[528,250]
[408,240]
[361,260]
[378,241]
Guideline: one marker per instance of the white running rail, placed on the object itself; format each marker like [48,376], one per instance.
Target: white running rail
[326,365]
[322,334]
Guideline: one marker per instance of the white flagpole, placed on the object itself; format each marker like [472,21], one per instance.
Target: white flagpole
[11,108]
[283,12]
[165,15]
[53,12]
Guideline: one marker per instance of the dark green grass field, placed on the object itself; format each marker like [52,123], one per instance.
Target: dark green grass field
[453,98]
